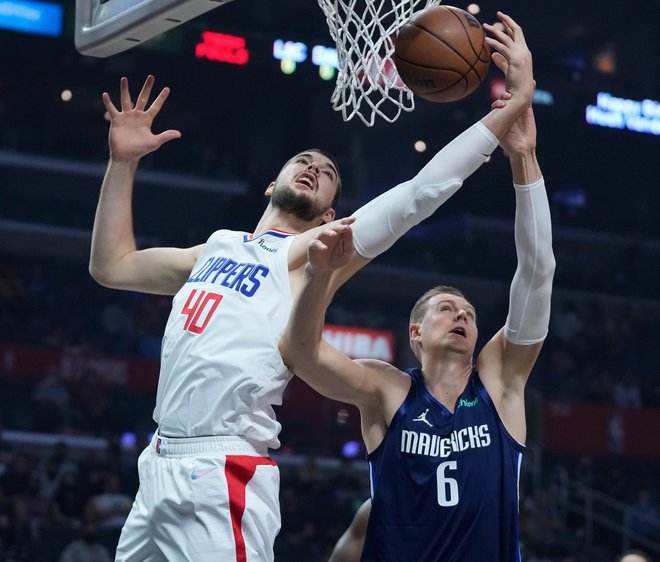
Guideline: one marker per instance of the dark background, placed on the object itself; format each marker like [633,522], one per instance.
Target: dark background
[239,125]
[244,122]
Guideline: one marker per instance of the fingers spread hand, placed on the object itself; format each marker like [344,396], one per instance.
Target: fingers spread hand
[145,92]
[168,135]
[126,103]
[512,28]
[157,104]
[109,106]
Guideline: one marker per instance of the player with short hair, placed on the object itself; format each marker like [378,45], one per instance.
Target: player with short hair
[633,556]
[208,490]
[444,442]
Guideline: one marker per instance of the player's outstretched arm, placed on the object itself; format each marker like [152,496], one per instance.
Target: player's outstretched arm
[381,222]
[507,360]
[531,288]
[114,260]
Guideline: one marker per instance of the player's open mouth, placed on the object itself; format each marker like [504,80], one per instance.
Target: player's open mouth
[459,331]
[307,179]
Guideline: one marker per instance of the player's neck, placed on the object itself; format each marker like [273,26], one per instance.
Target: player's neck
[275,219]
[446,379]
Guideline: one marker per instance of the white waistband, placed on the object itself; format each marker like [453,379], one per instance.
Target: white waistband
[177,446]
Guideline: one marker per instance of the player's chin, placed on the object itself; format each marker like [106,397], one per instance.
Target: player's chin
[458,343]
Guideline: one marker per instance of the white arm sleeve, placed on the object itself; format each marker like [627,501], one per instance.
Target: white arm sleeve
[531,288]
[382,221]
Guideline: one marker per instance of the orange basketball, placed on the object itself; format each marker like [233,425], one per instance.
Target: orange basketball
[441,53]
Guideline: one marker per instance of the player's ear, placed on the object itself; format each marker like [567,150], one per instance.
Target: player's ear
[269,189]
[415,339]
[328,216]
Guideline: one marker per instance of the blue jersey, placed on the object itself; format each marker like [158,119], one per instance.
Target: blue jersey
[444,486]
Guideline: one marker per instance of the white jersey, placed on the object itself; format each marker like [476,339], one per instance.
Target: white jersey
[221,370]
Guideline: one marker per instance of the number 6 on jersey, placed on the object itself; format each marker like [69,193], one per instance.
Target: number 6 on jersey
[447,487]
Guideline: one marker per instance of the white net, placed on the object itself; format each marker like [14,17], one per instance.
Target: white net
[364,32]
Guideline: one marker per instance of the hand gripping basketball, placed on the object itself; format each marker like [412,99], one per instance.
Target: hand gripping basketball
[441,54]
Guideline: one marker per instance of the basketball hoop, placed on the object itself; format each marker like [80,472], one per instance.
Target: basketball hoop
[364,32]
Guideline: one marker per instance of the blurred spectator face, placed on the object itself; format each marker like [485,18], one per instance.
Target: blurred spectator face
[634,558]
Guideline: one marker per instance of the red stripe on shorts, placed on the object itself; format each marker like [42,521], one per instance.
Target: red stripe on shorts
[239,470]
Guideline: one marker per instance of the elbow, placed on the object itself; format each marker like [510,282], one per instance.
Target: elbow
[545,268]
[97,273]
[290,353]
[298,356]
[102,275]
[284,347]
[538,265]
[548,266]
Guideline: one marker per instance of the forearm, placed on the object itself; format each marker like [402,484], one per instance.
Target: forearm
[381,222]
[531,288]
[302,338]
[525,168]
[112,235]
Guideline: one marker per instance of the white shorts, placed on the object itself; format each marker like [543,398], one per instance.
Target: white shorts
[203,499]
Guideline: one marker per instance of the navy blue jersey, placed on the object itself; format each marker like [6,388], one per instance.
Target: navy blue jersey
[444,486]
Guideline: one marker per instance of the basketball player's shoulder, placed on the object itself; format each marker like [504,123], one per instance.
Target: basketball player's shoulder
[227,234]
[385,370]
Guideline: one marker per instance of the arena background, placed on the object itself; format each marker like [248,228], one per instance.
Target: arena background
[78,363]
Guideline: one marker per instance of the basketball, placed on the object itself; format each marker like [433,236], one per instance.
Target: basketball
[441,54]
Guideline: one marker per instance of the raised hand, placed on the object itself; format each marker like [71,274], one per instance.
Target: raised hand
[130,135]
[332,248]
[512,56]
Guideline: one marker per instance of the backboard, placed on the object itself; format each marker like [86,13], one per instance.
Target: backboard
[108,27]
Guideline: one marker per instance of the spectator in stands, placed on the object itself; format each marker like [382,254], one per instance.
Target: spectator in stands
[642,517]
[52,400]
[86,549]
[567,322]
[18,475]
[118,325]
[601,385]
[298,530]
[541,520]
[53,469]
[90,402]
[68,505]
[632,556]
[110,508]
[626,392]
[7,520]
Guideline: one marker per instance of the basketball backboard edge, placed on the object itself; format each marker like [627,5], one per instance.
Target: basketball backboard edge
[105,28]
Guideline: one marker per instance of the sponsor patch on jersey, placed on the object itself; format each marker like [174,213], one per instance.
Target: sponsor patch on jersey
[262,244]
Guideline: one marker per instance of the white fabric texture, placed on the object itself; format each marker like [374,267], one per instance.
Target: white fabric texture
[531,288]
[382,221]
[182,508]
